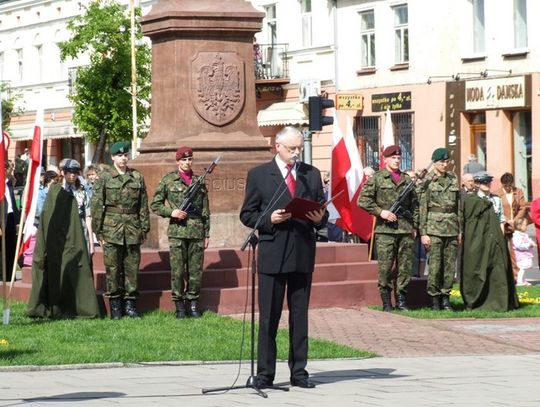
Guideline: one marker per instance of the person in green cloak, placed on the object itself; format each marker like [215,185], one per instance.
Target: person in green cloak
[486,279]
[62,280]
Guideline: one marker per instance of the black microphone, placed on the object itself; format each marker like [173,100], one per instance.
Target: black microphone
[296,161]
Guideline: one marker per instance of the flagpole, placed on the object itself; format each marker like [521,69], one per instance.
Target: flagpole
[133,79]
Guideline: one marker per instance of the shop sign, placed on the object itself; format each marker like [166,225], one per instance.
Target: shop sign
[392,101]
[349,102]
[495,93]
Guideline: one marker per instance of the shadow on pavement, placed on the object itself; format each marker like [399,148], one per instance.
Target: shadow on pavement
[334,376]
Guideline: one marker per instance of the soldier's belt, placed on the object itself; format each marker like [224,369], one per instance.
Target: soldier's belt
[442,210]
[114,209]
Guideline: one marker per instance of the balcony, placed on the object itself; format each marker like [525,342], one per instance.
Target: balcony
[271,67]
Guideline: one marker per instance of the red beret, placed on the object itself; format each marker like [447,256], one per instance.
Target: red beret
[391,150]
[184,152]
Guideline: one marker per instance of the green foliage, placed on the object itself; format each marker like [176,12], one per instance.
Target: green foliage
[158,336]
[9,98]
[101,96]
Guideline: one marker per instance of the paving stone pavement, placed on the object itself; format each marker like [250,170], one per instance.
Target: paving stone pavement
[423,363]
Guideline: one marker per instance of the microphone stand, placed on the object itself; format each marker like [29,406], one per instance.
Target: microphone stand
[253,240]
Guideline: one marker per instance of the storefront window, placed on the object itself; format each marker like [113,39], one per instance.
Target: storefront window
[403,124]
[367,134]
[523,152]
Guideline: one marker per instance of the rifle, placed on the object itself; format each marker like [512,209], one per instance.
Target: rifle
[396,207]
[194,188]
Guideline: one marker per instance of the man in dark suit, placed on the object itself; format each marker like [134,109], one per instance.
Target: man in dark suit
[286,252]
[12,215]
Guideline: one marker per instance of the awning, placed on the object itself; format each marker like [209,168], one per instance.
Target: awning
[283,114]
[51,130]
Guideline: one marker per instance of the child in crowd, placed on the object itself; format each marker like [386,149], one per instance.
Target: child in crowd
[523,245]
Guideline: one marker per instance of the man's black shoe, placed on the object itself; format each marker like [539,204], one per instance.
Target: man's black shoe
[263,383]
[303,383]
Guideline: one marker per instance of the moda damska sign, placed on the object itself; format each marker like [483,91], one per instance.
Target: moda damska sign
[496,93]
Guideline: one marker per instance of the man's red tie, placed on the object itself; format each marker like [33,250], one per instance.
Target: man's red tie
[291,182]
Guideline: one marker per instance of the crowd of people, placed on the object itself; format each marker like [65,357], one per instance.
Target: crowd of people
[467,231]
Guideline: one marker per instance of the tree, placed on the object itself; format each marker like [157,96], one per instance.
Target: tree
[8,104]
[101,92]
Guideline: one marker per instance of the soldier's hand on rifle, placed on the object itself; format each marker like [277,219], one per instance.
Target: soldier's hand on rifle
[178,214]
[206,242]
[389,216]
[426,241]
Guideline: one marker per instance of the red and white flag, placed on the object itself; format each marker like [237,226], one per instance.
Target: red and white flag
[4,145]
[346,179]
[32,182]
[388,136]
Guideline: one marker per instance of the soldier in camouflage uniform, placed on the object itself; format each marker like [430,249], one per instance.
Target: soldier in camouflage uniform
[440,227]
[188,231]
[394,232]
[120,219]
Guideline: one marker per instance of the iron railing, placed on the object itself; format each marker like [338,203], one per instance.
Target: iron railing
[270,61]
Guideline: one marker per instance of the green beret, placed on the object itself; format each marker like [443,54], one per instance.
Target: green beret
[440,154]
[120,147]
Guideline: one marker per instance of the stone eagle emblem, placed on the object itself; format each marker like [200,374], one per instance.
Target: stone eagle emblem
[218,86]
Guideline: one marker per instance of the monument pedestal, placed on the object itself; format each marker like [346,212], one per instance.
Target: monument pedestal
[203,96]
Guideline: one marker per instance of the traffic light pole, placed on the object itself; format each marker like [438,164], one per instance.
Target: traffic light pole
[307,157]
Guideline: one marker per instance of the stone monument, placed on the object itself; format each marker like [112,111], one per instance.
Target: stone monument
[203,96]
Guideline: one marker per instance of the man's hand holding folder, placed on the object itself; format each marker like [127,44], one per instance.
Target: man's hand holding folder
[300,208]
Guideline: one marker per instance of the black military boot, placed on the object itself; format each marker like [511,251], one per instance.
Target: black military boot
[446,303]
[116,308]
[401,303]
[194,309]
[180,309]
[436,303]
[386,300]
[130,310]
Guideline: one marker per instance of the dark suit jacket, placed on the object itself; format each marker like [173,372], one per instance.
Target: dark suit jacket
[288,246]
[16,210]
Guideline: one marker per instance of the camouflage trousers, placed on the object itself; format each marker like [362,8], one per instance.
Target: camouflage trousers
[122,265]
[395,250]
[187,257]
[442,265]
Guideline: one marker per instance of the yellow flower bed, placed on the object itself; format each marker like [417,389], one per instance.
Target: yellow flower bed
[523,297]
[4,342]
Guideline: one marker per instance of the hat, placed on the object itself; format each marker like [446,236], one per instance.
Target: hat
[440,154]
[391,150]
[482,177]
[120,147]
[184,152]
[71,165]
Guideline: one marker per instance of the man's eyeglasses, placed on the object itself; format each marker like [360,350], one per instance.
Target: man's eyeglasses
[293,149]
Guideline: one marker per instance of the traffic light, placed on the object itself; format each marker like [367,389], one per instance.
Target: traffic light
[316,118]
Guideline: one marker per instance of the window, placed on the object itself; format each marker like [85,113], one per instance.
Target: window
[403,135]
[271,23]
[19,53]
[479,41]
[520,23]
[401,34]
[367,35]
[306,23]
[39,53]
[368,140]
[1,66]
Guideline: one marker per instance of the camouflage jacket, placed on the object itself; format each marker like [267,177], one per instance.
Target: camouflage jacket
[440,209]
[169,195]
[379,193]
[120,207]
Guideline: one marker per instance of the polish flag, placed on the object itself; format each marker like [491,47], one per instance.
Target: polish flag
[32,182]
[4,145]
[388,136]
[347,178]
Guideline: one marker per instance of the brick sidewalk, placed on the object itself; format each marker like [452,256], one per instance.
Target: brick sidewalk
[399,336]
